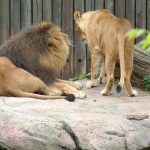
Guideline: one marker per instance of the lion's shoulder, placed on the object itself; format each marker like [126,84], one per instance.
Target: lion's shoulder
[104,20]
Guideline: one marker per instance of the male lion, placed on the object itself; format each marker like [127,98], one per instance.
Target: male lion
[106,38]
[30,61]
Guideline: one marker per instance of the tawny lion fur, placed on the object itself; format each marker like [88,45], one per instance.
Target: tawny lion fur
[31,60]
[106,38]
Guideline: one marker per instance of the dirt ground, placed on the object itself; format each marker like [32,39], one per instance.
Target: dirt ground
[113,122]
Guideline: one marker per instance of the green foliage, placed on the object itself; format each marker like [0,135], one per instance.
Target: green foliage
[135,33]
[79,77]
[146,42]
[146,83]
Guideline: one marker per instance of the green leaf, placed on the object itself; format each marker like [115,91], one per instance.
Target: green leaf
[140,32]
[146,42]
[135,33]
[79,77]
[131,34]
[146,82]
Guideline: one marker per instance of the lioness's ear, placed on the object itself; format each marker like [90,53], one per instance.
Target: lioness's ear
[77,15]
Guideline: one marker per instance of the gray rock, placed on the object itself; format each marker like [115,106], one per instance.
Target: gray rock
[114,122]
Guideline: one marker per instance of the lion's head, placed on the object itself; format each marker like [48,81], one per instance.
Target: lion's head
[56,46]
[83,20]
[81,24]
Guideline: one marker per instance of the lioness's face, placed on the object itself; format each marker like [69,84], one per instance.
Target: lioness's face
[80,25]
[82,34]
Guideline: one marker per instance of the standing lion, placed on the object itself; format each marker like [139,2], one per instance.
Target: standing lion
[30,62]
[106,38]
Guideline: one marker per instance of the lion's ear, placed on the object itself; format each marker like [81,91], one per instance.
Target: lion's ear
[77,15]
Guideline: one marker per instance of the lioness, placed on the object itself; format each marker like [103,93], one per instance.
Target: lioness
[106,38]
[30,62]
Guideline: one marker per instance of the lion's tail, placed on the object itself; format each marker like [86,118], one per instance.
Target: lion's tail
[19,93]
[121,40]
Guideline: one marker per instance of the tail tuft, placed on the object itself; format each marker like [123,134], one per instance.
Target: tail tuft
[118,88]
[69,97]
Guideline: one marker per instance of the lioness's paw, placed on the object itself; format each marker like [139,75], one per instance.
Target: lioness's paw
[104,92]
[91,84]
[78,85]
[134,93]
[88,85]
[80,95]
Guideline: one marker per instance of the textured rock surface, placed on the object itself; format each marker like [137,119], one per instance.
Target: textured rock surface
[115,122]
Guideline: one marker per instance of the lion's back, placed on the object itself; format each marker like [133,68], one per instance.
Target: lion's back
[104,27]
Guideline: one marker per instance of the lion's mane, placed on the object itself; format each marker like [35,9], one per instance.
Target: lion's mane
[41,50]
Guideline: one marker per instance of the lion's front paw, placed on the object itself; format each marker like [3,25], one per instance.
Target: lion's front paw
[91,84]
[104,92]
[134,93]
[80,95]
[78,85]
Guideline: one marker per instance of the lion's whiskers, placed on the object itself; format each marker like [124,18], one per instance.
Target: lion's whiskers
[71,44]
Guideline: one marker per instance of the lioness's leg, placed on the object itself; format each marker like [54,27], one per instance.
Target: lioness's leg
[66,88]
[109,66]
[75,84]
[95,60]
[129,67]
[102,76]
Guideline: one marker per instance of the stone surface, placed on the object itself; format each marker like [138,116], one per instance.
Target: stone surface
[114,122]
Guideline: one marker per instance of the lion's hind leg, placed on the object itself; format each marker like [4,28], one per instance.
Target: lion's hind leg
[20,93]
[129,47]
[129,66]
[28,85]
[109,66]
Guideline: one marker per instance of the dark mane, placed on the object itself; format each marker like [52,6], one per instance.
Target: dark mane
[25,48]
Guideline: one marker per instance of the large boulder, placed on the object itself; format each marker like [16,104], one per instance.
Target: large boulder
[114,122]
